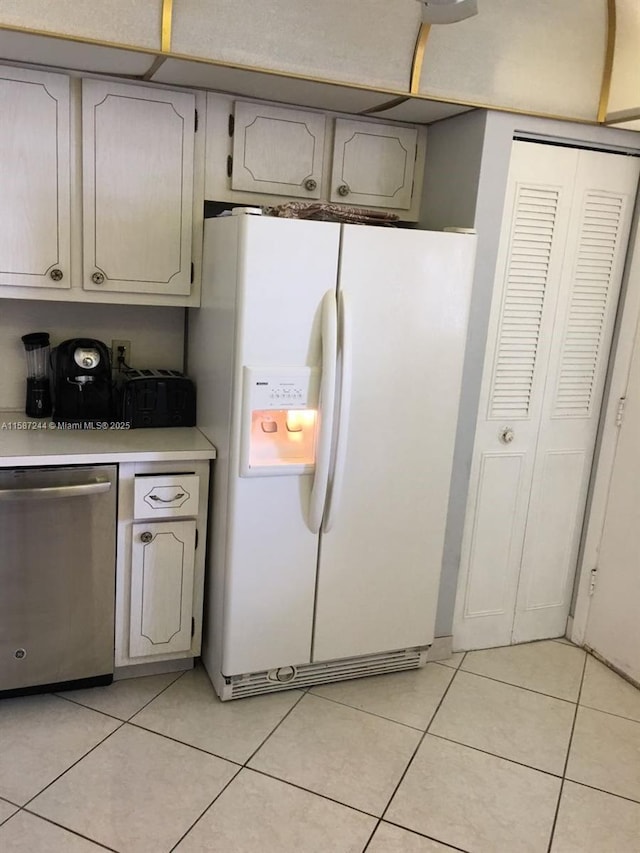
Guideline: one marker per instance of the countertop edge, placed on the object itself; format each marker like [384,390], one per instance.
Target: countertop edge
[105,458]
[42,444]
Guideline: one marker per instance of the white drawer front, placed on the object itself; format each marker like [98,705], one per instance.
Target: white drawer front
[166,496]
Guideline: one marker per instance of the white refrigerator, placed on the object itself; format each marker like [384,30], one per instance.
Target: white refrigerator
[328,361]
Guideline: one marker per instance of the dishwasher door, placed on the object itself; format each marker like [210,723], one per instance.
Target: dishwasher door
[57,577]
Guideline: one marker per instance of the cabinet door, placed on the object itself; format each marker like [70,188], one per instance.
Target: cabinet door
[137,188]
[34,179]
[162,562]
[373,164]
[277,150]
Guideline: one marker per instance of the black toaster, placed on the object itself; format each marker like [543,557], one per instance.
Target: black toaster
[157,398]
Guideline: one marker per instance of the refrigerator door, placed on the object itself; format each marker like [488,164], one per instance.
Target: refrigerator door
[407,294]
[284,269]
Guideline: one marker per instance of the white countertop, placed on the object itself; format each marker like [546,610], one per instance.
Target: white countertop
[27,441]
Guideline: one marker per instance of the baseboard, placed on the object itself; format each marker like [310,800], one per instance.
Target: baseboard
[441,649]
[159,667]
[569,630]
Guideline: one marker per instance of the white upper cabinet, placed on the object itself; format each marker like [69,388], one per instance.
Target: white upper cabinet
[34,179]
[373,164]
[267,154]
[277,150]
[138,155]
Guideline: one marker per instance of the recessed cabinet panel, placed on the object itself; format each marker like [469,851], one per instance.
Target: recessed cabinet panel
[161,587]
[277,150]
[137,188]
[34,179]
[373,164]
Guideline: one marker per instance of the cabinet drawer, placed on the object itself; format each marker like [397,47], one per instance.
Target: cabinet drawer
[166,496]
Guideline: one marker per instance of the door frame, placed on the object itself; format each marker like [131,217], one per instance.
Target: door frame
[625,333]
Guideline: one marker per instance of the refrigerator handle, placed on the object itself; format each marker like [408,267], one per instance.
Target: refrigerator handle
[325,410]
[344,406]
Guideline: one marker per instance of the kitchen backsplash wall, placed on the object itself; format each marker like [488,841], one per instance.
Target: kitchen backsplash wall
[156,335]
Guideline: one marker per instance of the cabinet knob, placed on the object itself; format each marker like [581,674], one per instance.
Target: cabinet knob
[97,278]
[310,184]
[507,435]
[56,274]
[343,189]
[146,537]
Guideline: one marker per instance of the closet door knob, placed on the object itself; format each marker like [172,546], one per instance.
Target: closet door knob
[97,278]
[56,274]
[343,189]
[146,537]
[507,435]
[310,184]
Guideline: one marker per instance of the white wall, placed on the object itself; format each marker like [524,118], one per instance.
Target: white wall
[156,335]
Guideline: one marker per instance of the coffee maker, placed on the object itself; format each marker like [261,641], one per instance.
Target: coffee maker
[82,386]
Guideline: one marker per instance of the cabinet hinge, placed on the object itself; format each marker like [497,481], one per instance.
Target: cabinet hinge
[232,125]
[622,402]
[193,272]
[193,626]
[229,166]
[592,583]
[195,123]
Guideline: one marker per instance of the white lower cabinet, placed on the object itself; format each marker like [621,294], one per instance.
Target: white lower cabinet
[162,562]
[160,570]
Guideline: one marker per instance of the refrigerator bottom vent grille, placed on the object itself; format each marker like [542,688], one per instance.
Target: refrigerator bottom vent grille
[309,674]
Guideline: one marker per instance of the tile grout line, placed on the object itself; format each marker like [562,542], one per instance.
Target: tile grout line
[113,716]
[183,743]
[370,713]
[519,686]
[495,755]
[77,761]
[422,835]
[413,755]
[204,811]
[566,761]
[283,782]
[87,708]
[274,729]
[68,829]
[309,791]
[604,791]
[164,689]
[610,713]
[241,767]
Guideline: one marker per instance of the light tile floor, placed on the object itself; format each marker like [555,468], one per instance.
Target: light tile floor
[531,748]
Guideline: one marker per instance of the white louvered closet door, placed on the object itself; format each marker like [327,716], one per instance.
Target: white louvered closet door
[548,324]
[604,194]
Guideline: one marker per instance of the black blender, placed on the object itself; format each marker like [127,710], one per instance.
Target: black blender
[38,403]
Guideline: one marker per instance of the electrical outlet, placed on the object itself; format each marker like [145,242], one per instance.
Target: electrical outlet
[120,354]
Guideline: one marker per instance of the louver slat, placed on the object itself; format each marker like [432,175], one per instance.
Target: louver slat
[526,283]
[589,304]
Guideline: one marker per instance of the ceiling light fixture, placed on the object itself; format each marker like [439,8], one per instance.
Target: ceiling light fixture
[447,11]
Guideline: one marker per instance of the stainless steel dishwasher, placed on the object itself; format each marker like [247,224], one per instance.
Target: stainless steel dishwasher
[57,577]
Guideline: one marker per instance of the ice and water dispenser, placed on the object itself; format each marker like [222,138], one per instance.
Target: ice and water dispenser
[279,421]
